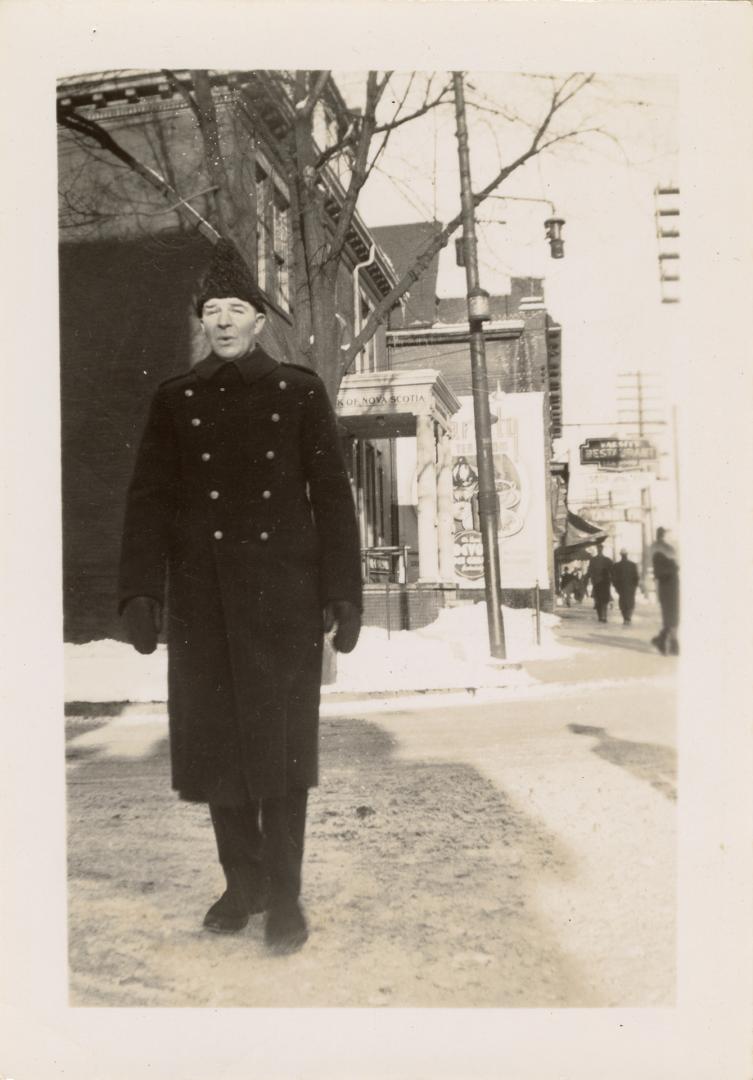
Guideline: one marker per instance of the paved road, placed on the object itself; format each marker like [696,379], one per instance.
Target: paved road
[589,756]
[520,853]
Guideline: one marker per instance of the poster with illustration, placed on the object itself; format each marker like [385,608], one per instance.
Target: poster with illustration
[520,483]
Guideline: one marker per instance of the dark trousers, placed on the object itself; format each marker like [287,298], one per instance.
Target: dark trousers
[627,604]
[267,834]
[602,595]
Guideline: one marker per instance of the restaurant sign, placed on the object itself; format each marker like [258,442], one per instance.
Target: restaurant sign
[616,452]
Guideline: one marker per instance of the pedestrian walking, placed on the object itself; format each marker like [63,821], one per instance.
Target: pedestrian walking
[625,580]
[240,506]
[579,586]
[599,573]
[664,560]
[566,585]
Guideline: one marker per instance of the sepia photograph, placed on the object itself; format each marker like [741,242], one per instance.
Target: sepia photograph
[394,411]
[384,326]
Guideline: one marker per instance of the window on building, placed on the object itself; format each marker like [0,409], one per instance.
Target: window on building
[272,238]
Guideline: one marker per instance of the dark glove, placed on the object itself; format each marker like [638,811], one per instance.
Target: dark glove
[347,618]
[143,619]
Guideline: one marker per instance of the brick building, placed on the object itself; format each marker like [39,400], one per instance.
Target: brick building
[128,265]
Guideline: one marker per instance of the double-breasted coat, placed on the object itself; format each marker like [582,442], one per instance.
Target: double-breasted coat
[240,509]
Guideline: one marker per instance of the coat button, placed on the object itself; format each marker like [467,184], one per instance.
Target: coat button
[266,494]
[196,421]
[217,534]
[275,417]
[214,494]
[205,456]
[264,536]
[222,388]
[283,385]
[188,393]
[270,454]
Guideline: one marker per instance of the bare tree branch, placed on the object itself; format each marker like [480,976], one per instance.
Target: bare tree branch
[374,91]
[426,107]
[306,105]
[536,146]
[562,99]
[184,92]
[179,203]
[206,118]
[85,126]
[353,129]
[387,129]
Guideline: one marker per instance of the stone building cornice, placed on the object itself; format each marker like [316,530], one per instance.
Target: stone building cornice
[499,330]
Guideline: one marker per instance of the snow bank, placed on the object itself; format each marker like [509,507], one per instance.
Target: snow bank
[451,652]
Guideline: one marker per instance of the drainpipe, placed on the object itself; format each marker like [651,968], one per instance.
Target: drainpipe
[356,291]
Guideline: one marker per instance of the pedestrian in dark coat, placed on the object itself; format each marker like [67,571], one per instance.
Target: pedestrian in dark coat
[566,585]
[599,573]
[625,581]
[665,564]
[240,508]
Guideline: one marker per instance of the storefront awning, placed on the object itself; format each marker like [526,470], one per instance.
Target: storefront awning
[579,534]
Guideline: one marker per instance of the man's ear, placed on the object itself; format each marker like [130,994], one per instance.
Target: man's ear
[261,318]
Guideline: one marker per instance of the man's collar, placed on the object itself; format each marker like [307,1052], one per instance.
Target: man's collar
[252,366]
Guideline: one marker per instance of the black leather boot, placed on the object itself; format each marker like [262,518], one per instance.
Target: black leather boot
[285,930]
[247,894]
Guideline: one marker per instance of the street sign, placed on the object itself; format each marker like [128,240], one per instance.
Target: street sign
[616,452]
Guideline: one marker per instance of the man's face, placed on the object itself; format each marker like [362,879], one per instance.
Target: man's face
[231,326]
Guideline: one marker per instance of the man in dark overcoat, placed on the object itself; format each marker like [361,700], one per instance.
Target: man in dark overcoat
[599,573]
[240,510]
[665,564]
[625,580]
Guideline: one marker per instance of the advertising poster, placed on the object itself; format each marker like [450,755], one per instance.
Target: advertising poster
[521,485]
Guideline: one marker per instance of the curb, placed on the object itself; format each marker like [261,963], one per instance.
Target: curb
[333,702]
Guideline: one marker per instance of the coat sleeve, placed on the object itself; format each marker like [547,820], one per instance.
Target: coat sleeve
[331,501]
[663,566]
[150,509]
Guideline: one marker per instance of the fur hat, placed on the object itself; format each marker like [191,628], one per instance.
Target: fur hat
[228,275]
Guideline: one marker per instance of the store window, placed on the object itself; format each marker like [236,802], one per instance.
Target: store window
[272,238]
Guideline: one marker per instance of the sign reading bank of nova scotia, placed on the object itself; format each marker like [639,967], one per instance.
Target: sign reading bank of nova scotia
[386,398]
[616,451]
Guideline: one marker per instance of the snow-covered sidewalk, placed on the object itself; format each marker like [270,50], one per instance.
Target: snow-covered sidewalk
[450,653]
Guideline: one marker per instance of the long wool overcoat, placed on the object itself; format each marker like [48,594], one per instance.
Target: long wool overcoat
[241,503]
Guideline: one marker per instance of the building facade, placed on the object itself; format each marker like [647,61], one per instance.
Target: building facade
[128,266]
[523,354]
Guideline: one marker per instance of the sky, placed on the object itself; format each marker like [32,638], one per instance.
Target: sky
[605,292]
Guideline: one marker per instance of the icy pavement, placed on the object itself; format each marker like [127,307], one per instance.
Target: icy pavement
[451,652]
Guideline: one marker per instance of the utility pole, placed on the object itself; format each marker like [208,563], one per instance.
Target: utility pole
[640,402]
[478,313]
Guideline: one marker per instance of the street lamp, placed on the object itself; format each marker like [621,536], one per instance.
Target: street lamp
[553,226]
